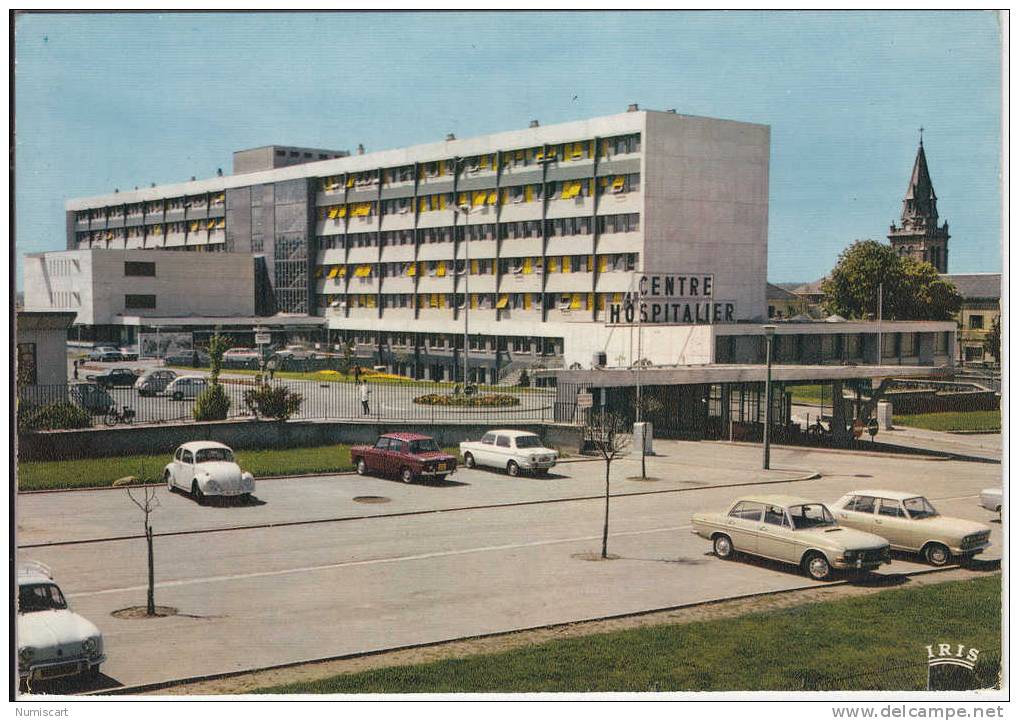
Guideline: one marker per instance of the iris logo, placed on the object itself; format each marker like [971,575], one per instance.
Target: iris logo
[952,667]
[943,654]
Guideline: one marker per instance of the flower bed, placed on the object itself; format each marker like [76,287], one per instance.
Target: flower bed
[491,400]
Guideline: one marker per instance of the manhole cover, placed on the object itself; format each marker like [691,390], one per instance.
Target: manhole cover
[137,612]
[371,499]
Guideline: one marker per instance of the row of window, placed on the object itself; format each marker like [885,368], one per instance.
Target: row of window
[608,263]
[441,341]
[521,157]
[557,190]
[202,201]
[141,231]
[556,227]
[478,301]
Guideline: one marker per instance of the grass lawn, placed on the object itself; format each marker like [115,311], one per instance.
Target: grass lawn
[97,472]
[956,421]
[810,394]
[786,649]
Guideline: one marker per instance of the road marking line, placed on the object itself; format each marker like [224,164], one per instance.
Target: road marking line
[345,564]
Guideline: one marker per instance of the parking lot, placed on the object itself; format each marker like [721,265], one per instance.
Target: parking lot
[310,570]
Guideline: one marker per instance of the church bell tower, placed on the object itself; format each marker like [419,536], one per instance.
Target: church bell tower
[919,236]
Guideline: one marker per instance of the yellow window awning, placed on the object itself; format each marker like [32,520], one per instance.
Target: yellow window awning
[333,212]
[350,181]
[479,198]
[502,302]
[528,193]
[474,267]
[474,300]
[601,301]
[433,301]
[528,267]
[411,270]
[493,197]
[617,183]
[210,225]
[483,161]
[318,272]
[571,189]
[334,271]
[567,264]
[575,302]
[527,301]
[341,212]
[157,230]
[343,270]
[461,199]
[603,263]
[617,297]
[363,271]
[440,269]
[221,223]
[361,210]
[553,264]
[219,198]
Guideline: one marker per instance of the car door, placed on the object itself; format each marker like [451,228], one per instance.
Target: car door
[376,457]
[892,523]
[774,535]
[486,453]
[175,467]
[741,525]
[502,451]
[187,468]
[858,513]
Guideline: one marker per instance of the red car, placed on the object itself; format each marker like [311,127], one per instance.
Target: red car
[407,455]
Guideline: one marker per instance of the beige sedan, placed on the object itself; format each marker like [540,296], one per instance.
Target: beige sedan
[911,523]
[793,530]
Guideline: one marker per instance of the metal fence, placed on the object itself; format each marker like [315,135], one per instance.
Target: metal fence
[322,400]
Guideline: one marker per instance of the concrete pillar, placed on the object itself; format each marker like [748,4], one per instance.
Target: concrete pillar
[841,435]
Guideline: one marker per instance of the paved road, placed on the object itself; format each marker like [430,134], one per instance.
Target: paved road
[280,593]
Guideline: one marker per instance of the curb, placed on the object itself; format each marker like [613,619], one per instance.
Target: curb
[848,451]
[154,686]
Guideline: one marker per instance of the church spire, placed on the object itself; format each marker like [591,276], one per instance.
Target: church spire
[920,206]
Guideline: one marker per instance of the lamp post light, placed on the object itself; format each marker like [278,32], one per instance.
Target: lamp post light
[769,335]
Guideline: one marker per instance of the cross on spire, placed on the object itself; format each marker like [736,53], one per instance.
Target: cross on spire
[921,135]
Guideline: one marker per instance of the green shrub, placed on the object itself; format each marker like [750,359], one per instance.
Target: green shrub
[53,416]
[493,400]
[212,405]
[277,402]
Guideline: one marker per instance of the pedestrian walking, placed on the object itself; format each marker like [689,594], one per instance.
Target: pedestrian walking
[365,408]
[76,369]
[357,374]
[271,367]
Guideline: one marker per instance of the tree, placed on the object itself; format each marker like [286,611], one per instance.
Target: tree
[992,341]
[649,405]
[277,402]
[213,404]
[146,503]
[608,435]
[910,289]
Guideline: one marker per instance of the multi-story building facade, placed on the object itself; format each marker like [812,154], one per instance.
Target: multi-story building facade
[529,239]
[981,308]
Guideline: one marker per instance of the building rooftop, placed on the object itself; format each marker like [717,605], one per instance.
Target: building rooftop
[777,292]
[976,285]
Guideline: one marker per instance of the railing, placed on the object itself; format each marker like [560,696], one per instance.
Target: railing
[325,399]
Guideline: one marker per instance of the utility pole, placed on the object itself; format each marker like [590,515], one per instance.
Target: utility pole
[880,304]
[769,335]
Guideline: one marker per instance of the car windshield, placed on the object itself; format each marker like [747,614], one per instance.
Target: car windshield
[919,507]
[528,442]
[423,445]
[810,515]
[214,454]
[40,597]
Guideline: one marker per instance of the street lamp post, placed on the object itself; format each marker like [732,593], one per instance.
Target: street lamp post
[769,335]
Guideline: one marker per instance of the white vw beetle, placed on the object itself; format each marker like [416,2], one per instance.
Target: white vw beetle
[207,468]
[53,641]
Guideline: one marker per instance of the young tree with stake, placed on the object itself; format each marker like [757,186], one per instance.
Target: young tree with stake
[147,503]
[609,437]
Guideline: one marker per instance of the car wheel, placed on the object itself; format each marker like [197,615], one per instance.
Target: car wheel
[469,460]
[245,498]
[362,467]
[723,547]
[196,492]
[168,477]
[512,468]
[817,566]
[937,554]
[406,475]
[439,479]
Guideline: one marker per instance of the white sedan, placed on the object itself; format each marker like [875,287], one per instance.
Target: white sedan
[990,498]
[207,468]
[514,451]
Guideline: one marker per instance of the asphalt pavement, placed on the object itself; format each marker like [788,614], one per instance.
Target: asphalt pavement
[307,572]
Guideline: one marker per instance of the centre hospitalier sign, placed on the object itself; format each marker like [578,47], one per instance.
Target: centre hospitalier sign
[672,298]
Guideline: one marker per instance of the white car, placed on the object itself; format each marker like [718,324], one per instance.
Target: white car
[207,468]
[514,451]
[53,641]
[990,498]
[186,387]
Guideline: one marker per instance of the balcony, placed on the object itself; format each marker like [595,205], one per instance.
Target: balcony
[520,283]
[363,286]
[477,284]
[331,226]
[173,240]
[398,221]
[398,284]
[196,212]
[332,256]
[363,224]
[397,253]
[480,248]
[632,242]
[435,251]
[569,283]
[615,282]
[369,254]
[435,284]
[521,247]
[97,224]
[117,243]
[217,235]
[610,204]
[435,219]
[570,245]
[331,286]
[135,241]
[520,211]
[575,207]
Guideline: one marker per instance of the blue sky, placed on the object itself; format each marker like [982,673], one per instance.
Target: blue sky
[117,101]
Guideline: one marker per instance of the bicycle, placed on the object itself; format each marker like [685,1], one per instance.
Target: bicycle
[114,416]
